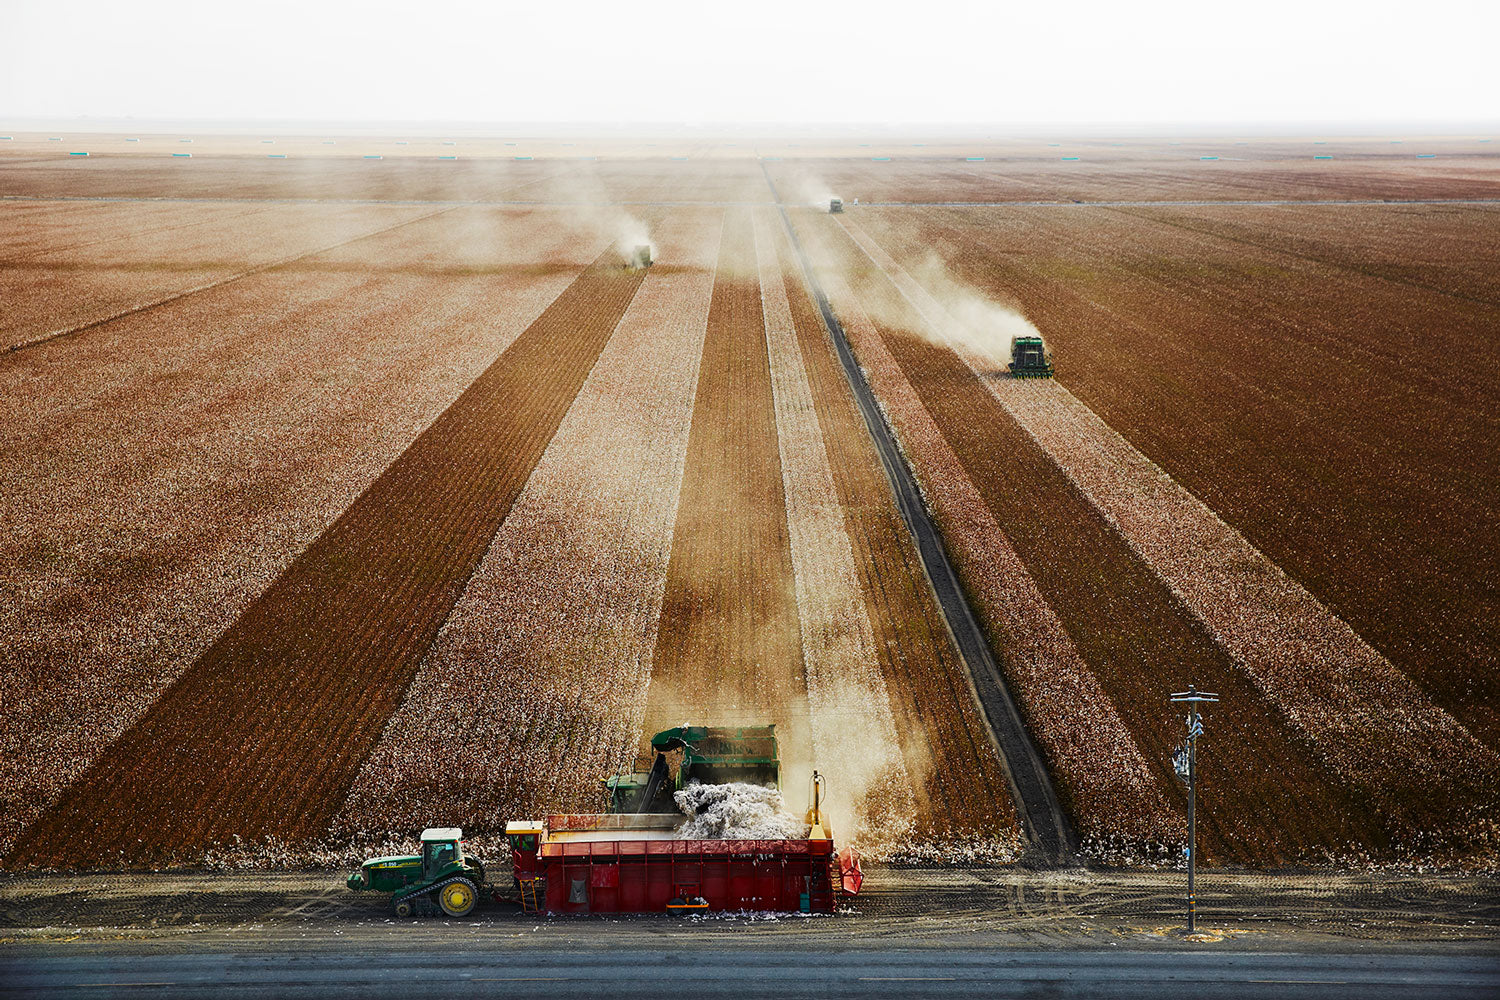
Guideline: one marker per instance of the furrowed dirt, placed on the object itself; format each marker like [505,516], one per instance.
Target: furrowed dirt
[263,736]
[731,649]
[1334,377]
[1089,170]
[133,533]
[1128,627]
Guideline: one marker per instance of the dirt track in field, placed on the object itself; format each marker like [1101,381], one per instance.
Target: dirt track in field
[1130,630]
[937,721]
[730,649]
[263,735]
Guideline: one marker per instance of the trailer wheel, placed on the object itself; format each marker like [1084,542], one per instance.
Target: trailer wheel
[458,898]
[403,908]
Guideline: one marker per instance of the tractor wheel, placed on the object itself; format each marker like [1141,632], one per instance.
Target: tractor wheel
[403,908]
[458,898]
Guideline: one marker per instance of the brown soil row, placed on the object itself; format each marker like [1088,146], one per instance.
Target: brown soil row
[963,790]
[1335,404]
[263,735]
[555,631]
[730,646]
[1442,248]
[1130,630]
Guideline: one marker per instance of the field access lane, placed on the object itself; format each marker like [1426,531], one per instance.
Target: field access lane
[865,576]
[854,729]
[263,735]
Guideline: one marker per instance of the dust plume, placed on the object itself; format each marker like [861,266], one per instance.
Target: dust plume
[869,777]
[591,209]
[811,190]
[929,302]
[978,322]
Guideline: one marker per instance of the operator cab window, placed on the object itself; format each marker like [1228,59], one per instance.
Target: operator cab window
[439,855]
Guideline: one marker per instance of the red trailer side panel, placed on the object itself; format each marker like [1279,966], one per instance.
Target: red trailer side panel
[643,876]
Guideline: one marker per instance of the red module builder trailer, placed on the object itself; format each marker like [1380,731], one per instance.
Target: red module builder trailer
[635,864]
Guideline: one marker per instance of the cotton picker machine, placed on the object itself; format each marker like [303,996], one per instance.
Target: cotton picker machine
[639,257]
[1029,358]
[635,858]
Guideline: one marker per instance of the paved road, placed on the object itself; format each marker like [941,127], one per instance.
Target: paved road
[1043,819]
[524,972]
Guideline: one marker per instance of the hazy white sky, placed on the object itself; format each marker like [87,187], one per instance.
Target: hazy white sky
[784,61]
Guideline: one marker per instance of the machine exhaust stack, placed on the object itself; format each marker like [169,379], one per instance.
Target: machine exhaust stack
[815,818]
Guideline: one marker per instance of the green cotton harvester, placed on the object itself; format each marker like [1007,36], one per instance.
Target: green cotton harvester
[711,755]
[1029,358]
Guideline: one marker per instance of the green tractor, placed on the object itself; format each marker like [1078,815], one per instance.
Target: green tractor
[712,755]
[440,879]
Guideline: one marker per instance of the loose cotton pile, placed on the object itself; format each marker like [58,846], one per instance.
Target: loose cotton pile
[736,811]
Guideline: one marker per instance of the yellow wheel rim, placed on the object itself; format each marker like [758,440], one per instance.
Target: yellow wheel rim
[457,897]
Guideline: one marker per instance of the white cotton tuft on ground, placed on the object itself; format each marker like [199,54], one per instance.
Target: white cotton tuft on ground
[736,811]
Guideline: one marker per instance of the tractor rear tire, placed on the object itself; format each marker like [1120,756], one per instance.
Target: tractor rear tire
[458,898]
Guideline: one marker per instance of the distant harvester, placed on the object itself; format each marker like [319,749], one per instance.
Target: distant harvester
[639,257]
[835,205]
[1029,358]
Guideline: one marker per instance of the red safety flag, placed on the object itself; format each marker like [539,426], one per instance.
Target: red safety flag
[850,872]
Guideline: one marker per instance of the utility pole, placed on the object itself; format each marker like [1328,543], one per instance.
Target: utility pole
[1185,763]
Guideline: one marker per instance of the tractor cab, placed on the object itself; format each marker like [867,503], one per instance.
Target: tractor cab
[625,790]
[525,839]
[442,851]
